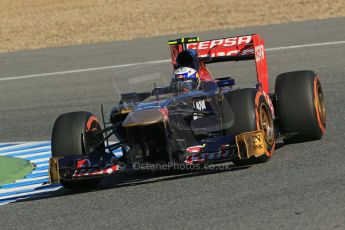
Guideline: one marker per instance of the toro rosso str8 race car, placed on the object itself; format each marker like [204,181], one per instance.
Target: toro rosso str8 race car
[195,120]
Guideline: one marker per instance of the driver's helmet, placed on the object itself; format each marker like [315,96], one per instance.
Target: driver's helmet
[188,58]
[185,79]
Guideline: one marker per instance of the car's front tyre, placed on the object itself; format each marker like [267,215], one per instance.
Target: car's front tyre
[251,112]
[74,134]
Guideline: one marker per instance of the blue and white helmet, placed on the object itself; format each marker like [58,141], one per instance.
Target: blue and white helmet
[186,79]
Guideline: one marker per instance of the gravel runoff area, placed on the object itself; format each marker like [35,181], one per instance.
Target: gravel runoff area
[32,24]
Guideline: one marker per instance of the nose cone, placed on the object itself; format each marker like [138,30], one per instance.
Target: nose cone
[143,117]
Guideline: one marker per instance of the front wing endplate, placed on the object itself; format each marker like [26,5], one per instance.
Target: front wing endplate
[54,175]
[251,144]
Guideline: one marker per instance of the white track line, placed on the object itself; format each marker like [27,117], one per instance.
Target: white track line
[306,45]
[38,149]
[41,165]
[82,70]
[40,160]
[31,179]
[150,63]
[39,171]
[34,155]
[30,193]
[16,147]
[20,188]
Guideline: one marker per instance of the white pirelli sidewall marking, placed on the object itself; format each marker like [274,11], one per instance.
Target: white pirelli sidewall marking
[61,73]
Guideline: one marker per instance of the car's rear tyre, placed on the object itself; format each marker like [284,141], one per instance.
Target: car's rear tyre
[251,112]
[73,134]
[300,106]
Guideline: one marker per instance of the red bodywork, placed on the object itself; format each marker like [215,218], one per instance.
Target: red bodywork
[248,47]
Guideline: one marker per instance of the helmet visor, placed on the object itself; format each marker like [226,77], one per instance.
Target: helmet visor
[185,86]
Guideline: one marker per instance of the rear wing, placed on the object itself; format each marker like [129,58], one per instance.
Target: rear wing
[247,47]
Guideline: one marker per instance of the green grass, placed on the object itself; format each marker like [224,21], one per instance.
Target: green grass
[13,168]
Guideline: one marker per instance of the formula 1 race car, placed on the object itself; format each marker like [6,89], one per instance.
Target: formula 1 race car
[213,122]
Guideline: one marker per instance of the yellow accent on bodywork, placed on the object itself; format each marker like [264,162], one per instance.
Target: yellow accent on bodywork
[54,174]
[251,144]
[183,40]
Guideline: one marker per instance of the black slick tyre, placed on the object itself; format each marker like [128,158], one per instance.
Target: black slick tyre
[73,134]
[251,112]
[300,106]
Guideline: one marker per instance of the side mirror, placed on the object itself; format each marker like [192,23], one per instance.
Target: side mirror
[161,90]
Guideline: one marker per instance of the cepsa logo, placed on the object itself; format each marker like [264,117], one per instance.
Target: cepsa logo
[259,53]
[224,42]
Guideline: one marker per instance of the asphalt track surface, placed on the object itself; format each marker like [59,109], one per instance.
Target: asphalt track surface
[301,187]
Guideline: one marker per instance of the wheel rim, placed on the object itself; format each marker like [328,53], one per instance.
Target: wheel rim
[266,124]
[91,140]
[321,109]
